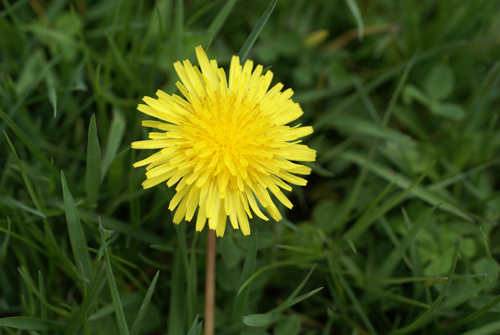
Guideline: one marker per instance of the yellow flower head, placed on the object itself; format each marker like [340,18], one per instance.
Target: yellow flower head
[226,146]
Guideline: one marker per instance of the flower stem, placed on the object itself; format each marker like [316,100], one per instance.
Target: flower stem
[210,283]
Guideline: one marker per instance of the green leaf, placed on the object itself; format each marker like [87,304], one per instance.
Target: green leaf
[259,320]
[288,326]
[92,173]
[231,255]
[440,82]
[115,296]
[144,307]
[29,323]
[411,92]
[245,49]
[115,136]
[448,110]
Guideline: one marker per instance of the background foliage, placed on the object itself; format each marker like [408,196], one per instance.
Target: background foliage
[399,215]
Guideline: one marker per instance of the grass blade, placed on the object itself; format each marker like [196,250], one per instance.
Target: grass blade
[436,303]
[195,327]
[468,319]
[397,92]
[397,253]
[245,49]
[80,314]
[30,323]
[51,92]
[342,107]
[221,18]
[179,29]
[41,288]
[123,227]
[115,136]
[177,296]
[120,315]
[248,269]
[93,163]
[10,9]
[144,307]
[294,301]
[418,191]
[191,298]
[275,265]
[109,309]
[490,328]
[354,8]
[107,96]
[403,299]
[33,289]
[259,320]
[75,230]
[13,203]
[337,276]
[361,127]
[464,295]
[5,242]
[29,144]
[301,285]
[368,218]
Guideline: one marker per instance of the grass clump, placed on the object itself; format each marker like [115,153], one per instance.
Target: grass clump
[397,224]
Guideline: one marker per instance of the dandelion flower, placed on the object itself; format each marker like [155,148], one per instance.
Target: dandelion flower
[226,144]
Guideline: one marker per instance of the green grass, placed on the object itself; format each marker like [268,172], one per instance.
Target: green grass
[397,223]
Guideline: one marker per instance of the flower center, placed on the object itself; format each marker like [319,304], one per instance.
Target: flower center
[229,135]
